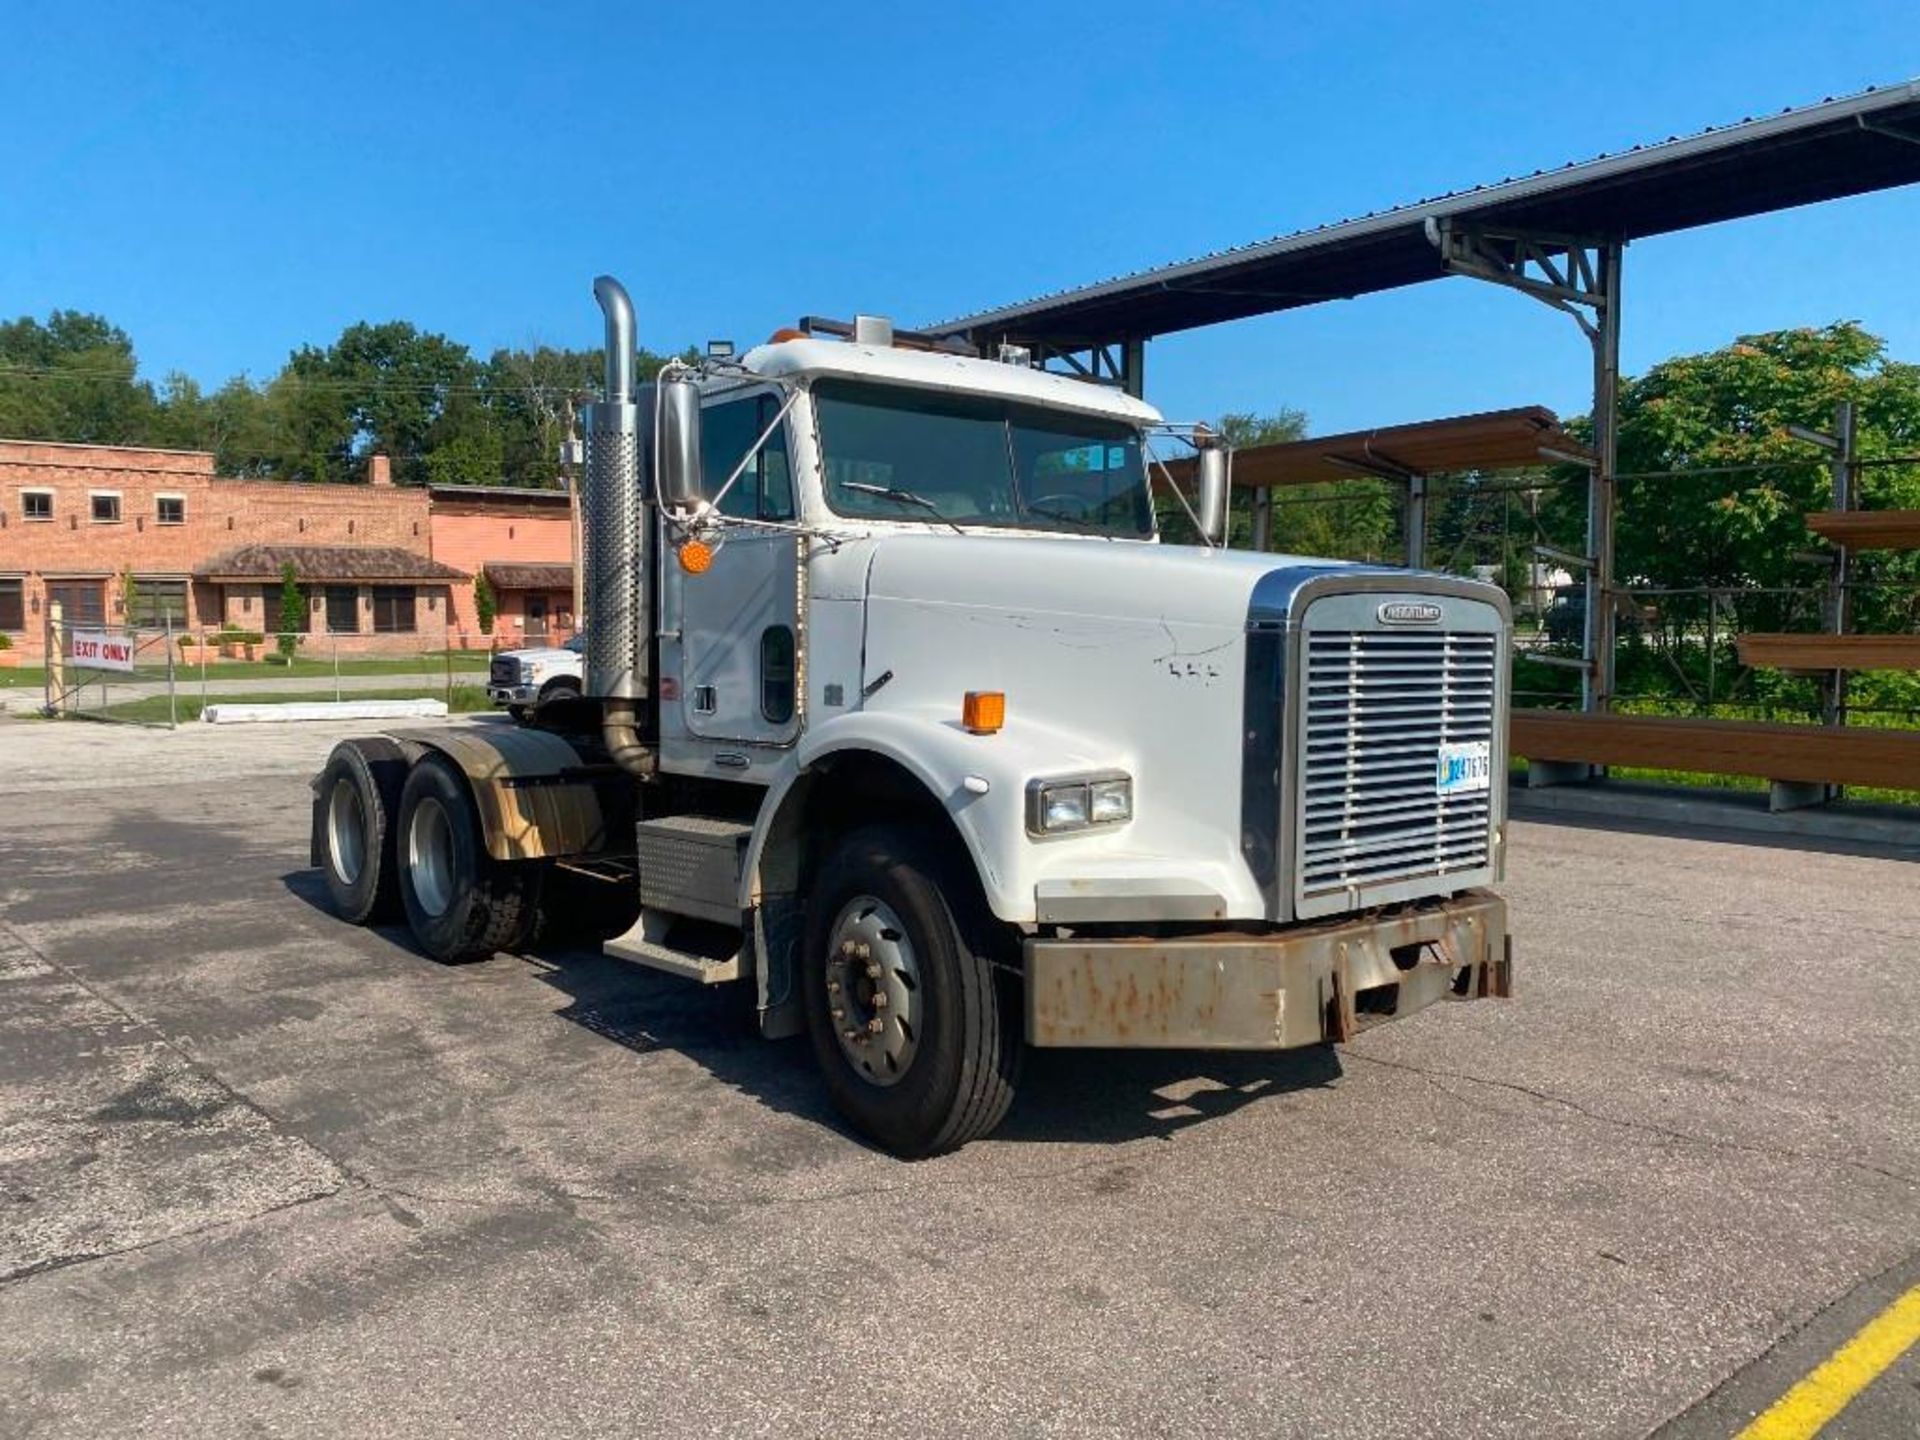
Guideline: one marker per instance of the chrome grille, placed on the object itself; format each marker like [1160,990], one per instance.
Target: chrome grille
[1378,705]
[504,671]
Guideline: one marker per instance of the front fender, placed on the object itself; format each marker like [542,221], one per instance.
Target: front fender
[980,780]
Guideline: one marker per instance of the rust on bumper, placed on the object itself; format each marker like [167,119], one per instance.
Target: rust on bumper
[1240,991]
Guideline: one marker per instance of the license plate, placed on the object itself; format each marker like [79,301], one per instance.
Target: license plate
[1463,769]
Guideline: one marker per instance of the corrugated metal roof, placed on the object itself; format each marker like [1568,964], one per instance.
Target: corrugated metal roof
[1491,440]
[1839,147]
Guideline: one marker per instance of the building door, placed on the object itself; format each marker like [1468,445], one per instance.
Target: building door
[536,617]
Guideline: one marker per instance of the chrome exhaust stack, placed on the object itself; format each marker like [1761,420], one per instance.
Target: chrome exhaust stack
[618,539]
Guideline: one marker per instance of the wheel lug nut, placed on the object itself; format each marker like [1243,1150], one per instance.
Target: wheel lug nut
[838,1013]
[865,950]
[833,987]
[880,1000]
[875,1025]
[873,972]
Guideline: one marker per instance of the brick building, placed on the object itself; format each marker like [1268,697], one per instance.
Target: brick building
[390,566]
[522,541]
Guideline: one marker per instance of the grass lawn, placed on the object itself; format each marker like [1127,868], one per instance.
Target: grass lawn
[23,677]
[467,662]
[152,709]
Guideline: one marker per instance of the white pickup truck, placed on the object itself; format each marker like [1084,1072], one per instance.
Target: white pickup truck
[899,712]
[524,680]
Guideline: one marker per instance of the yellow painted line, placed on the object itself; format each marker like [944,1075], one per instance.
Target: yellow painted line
[1805,1409]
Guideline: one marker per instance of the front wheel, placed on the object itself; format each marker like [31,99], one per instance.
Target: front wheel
[916,1033]
[461,904]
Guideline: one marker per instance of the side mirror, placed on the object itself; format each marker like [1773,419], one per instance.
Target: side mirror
[1212,509]
[677,443]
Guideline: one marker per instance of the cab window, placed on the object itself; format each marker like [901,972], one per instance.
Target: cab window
[764,490]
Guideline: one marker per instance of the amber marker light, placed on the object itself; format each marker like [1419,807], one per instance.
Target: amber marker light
[984,711]
[696,557]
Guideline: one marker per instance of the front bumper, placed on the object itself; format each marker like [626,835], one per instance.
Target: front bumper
[1298,986]
[513,694]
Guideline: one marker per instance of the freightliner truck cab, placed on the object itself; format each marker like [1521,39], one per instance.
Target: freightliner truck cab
[899,712]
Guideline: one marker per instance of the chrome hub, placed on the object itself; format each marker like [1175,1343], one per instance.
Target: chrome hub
[873,990]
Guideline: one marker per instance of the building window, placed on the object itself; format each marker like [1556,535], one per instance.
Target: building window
[106,506]
[13,605]
[170,509]
[343,609]
[81,602]
[393,609]
[158,602]
[36,504]
[271,621]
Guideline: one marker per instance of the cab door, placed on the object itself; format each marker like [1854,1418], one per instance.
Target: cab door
[739,621]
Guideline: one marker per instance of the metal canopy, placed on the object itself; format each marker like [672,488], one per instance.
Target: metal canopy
[1493,440]
[1827,151]
[1405,454]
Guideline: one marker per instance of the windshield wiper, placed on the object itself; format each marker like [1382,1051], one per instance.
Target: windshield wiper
[1082,522]
[903,497]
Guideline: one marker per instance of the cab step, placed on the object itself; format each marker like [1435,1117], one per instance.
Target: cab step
[703,952]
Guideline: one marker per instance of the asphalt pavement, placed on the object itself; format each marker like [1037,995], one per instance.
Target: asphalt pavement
[263,1173]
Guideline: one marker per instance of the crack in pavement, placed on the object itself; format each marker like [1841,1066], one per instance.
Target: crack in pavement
[1433,1077]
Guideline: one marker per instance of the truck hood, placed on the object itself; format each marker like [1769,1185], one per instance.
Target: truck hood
[1111,581]
[540,654]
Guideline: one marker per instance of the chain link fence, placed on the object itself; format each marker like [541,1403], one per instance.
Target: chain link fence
[165,677]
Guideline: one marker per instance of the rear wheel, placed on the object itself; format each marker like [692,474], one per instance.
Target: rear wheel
[355,805]
[461,904]
[916,1034]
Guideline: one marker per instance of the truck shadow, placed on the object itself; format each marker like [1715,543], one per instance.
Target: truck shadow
[1066,1096]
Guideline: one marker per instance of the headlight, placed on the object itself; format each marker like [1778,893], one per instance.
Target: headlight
[1078,802]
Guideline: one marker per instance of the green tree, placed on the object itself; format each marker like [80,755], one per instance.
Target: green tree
[1744,528]
[72,378]
[485,606]
[293,613]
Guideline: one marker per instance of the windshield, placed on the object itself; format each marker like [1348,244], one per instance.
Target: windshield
[898,454]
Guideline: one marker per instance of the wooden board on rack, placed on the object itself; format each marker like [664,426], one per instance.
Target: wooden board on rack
[1868,529]
[1830,652]
[1806,754]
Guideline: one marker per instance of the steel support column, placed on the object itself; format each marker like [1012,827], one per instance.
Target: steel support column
[1840,601]
[1597,694]
[1263,518]
[1416,522]
[1579,275]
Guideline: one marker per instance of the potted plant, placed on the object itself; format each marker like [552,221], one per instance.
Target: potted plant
[238,644]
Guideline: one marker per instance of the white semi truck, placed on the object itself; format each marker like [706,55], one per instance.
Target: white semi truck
[898,712]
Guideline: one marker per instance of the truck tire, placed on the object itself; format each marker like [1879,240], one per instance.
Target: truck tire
[917,1036]
[559,690]
[461,904]
[356,802]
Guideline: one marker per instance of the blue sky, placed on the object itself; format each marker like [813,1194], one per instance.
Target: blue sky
[227,182]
